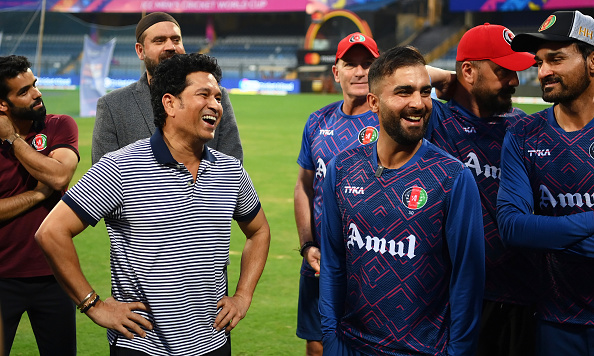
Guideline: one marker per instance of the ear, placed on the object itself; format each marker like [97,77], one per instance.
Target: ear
[168,101]
[590,64]
[373,102]
[4,107]
[335,73]
[468,72]
[139,51]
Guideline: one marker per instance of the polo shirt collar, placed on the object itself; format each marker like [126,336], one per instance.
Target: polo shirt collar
[163,155]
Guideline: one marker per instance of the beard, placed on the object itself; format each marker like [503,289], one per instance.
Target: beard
[151,65]
[495,103]
[569,91]
[392,125]
[29,113]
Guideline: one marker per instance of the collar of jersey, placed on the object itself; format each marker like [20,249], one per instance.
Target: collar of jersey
[420,152]
[163,155]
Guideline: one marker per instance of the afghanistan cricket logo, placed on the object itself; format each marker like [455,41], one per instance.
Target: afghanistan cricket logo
[39,142]
[550,21]
[368,135]
[591,150]
[414,197]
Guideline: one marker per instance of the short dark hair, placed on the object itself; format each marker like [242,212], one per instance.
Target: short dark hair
[170,77]
[584,48]
[10,67]
[388,62]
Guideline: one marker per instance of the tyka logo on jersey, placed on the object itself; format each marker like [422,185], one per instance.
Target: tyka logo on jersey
[379,245]
[326,132]
[539,153]
[354,190]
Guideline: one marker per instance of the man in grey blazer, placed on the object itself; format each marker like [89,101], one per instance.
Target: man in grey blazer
[125,115]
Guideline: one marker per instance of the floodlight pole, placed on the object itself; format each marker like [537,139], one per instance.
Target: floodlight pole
[40,38]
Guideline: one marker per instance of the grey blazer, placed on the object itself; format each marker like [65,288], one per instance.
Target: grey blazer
[125,115]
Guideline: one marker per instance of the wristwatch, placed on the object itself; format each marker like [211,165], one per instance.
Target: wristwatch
[16,136]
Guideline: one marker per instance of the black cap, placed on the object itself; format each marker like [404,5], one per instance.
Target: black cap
[150,20]
[561,26]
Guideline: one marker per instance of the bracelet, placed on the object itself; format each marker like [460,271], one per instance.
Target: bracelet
[91,304]
[85,299]
[16,137]
[307,244]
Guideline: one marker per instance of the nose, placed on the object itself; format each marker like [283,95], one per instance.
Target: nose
[360,71]
[415,100]
[215,104]
[36,93]
[544,70]
[170,45]
[514,81]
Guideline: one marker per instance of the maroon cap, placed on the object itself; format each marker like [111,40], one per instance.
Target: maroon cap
[493,42]
[356,39]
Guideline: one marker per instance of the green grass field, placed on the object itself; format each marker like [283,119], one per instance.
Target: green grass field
[270,128]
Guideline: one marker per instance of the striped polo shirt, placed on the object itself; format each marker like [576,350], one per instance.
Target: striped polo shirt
[169,238]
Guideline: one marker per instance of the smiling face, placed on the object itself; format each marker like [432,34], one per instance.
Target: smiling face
[161,41]
[197,111]
[351,71]
[403,104]
[24,99]
[562,72]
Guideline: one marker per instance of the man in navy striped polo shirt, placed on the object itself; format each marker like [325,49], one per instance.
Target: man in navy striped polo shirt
[168,202]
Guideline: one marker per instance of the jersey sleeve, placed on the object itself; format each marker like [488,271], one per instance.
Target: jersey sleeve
[248,203]
[466,246]
[98,193]
[518,224]
[66,135]
[333,259]
[434,118]
[305,159]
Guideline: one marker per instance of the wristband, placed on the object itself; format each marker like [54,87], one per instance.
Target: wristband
[85,299]
[306,245]
[91,304]
[16,137]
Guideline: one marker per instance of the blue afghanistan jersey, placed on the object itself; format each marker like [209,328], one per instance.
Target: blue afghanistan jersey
[546,201]
[402,266]
[510,272]
[328,132]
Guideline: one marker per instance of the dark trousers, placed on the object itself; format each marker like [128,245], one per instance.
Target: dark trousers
[50,310]
[507,330]
[224,350]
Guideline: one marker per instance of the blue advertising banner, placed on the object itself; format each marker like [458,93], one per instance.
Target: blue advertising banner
[93,71]
[262,86]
